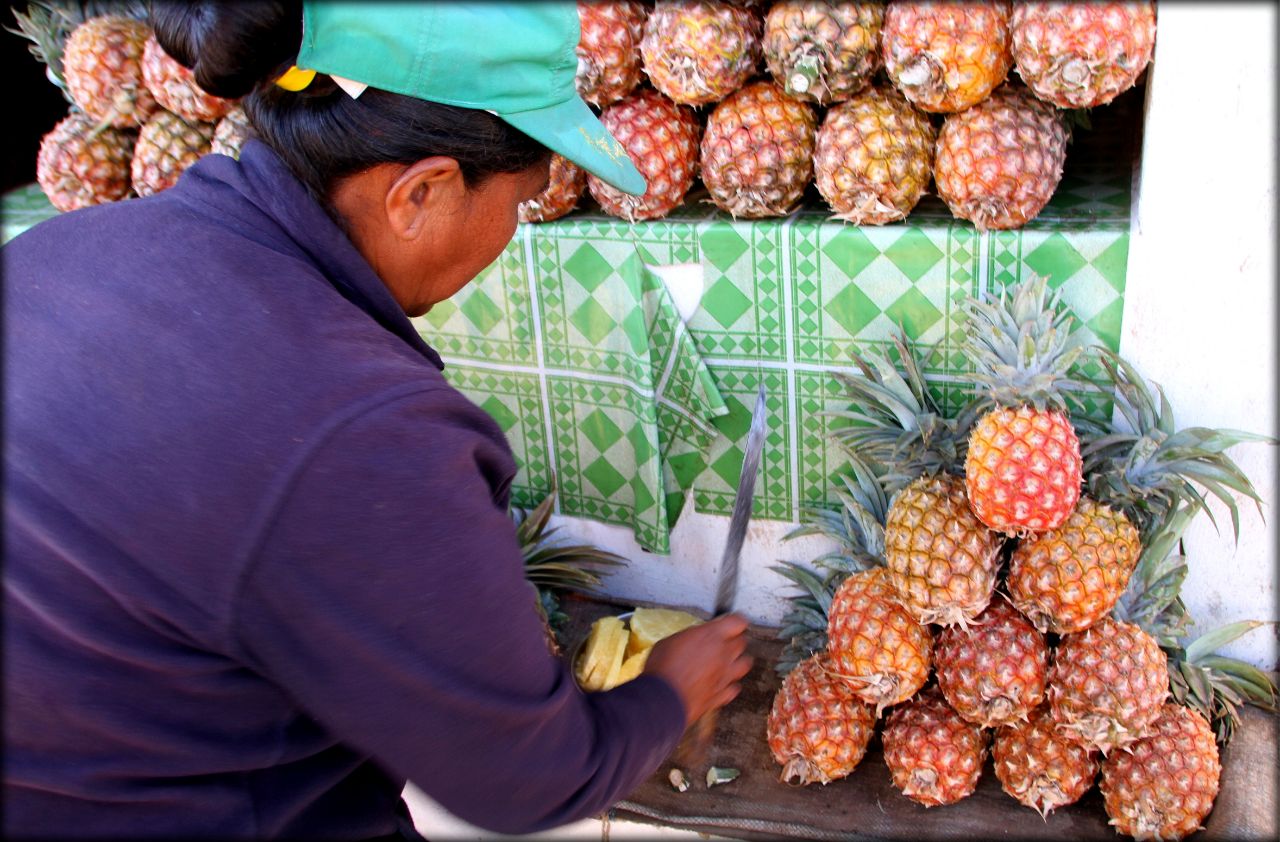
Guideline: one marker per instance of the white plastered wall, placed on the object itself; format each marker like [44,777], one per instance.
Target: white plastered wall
[1199,319]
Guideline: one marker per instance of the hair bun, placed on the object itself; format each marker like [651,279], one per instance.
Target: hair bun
[231,47]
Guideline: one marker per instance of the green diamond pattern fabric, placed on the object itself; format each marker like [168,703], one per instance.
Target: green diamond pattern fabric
[578,352]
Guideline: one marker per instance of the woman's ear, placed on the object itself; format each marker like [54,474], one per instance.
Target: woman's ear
[422,192]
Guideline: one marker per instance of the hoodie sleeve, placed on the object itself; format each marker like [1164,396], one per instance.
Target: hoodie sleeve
[388,599]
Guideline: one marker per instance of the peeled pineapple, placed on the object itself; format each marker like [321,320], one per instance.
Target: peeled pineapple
[614,654]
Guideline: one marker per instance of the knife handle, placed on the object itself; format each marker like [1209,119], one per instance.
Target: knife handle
[692,751]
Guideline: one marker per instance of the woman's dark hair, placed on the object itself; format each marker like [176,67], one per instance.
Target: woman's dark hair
[239,49]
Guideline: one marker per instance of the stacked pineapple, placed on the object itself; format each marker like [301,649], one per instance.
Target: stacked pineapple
[872,103]
[137,117]
[1005,581]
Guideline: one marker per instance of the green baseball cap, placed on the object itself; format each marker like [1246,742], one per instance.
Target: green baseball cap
[514,60]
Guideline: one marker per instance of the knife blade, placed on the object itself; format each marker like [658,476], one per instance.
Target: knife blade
[692,749]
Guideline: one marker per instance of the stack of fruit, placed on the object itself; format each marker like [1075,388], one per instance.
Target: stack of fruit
[137,118]
[870,102]
[1011,575]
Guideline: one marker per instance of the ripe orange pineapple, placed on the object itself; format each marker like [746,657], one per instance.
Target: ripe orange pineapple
[946,56]
[823,52]
[998,163]
[82,164]
[700,51]
[1164,785]
[175,89]
[1066,579]
[1039,767]
[993,672]
[934,756]
[609,49]
[1107,684]
[757,151]
[166,146]
[874,157]
[662,140]
[1023,466]
[817,728]
[1080,55]
[567,183]
[102,63]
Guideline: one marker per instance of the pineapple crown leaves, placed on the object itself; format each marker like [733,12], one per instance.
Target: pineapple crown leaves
[551,564]
[1022,346]
[1145,465]
[894,421]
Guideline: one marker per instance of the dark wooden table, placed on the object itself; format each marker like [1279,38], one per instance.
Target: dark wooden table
[865,806]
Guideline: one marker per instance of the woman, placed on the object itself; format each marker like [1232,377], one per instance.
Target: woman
[259,570]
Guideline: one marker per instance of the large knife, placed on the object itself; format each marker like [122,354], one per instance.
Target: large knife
[693,748]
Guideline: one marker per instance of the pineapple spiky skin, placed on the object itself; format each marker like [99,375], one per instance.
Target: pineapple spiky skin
[874,157]
[933,755]
[1081,55]
[1107,684]
[946,56]
[817,729]
[1040,768]
[823,52]
[1068,578]
[166,146]
[875,643]
[661,139]
[230,134]
[699,51]
[1164,786]
[998,163]
[942,560]
[994,672]
[1022,469]
[757,151]
[78,166]
[567,183]
[609,49]
[175,89]
[102,64]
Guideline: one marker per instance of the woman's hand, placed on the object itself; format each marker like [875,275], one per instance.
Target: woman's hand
[704,663]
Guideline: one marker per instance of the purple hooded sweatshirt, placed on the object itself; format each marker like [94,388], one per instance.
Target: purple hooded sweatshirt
[258,569]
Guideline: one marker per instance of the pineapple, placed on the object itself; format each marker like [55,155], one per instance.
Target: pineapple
[48,23]
[822,51]
[567,183]
[1107,684]
[609,49]
[230,134]
[166,146]
[757,151]
[934,756]
[943,562]
[998,163]
[1080,55]
[1039,767]
[102,63]
[175,89]
[1068,578]
[1165,784]
[874,157]
[817,729]
[1023,465]
[994,672]
[82,164]
[662,140]
[946,56]
[551,566]
[700,51]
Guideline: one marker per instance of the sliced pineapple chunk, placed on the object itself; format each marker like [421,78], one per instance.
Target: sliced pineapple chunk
[602,654]
[632,667]
[649,625]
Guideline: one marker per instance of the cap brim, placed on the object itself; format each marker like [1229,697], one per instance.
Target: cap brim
[572,130]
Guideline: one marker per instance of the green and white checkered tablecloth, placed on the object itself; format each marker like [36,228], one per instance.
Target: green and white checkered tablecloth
[580,353]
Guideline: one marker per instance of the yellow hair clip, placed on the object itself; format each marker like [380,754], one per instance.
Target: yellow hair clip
[295,78]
